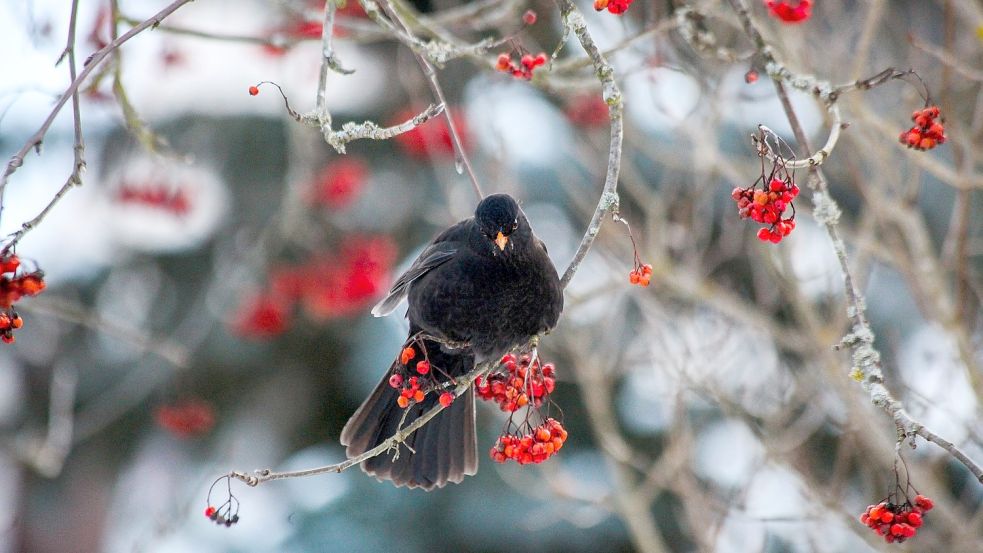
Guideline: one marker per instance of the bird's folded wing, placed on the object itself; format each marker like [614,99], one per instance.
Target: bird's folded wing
[434,256]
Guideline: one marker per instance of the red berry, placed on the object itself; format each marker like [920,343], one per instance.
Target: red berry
[528,61]
[915,519]
[924,503]
[446,399]
[504,62]
[751,77]
[423,367]
[407,355]
[634,277]
[209,511]
[253,90]
[529,18]
[764,234]
[396,380]
[9,264]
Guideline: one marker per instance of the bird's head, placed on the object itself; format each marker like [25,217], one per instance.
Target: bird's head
[498,216]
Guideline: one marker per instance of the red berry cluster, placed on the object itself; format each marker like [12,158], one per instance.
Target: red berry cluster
[896,522]
[511,389]
[338,184]
[616,7]
[15,284]
[329,285]
[767,207]
[412,388]
[928,131]
[641,275]
[524,69]
[221,517]
[155,195]
[789,13]
[587,110]
[538,445]
[433,138]
[187,418]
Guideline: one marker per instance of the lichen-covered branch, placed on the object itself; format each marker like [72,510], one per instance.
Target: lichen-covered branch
[608,203]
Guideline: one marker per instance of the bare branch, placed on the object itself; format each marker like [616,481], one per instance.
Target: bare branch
[72,92]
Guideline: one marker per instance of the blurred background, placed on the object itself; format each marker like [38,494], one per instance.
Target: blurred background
[209,285]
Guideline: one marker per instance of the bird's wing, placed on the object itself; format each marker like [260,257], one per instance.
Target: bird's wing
[437,253]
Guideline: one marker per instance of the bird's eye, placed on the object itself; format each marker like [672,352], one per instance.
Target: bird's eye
[515,225]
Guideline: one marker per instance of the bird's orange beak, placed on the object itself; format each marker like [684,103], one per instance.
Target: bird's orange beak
[501,240]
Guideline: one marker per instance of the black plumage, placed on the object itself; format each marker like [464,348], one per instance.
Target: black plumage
[487,282]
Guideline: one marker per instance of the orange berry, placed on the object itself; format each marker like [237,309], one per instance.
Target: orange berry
[446,399]
[418,396]
[402,401]
[634,277]
[253,90]
[407,355]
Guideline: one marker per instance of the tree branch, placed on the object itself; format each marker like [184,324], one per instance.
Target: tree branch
[866,357]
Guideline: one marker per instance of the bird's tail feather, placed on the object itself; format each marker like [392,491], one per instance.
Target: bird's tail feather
[443,450]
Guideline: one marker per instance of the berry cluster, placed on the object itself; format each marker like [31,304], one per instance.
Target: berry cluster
[227,513]
[536,446]
[412,388]
[522,70]
[220,518]
[512,388]
[15,284]
[338,184]
[587,110]
[788,13]
[767,207]
[896,522]
[187,418]
[155,195]
[433,138]
[641,275]
[616,7]
[928,131]
[330,284]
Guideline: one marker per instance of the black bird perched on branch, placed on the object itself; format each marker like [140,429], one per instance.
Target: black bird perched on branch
[481,288]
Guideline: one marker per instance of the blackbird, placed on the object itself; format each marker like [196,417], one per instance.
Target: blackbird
[481,288]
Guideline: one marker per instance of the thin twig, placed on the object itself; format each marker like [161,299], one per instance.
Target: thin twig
[75,178]
[34,142]
[461,157]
